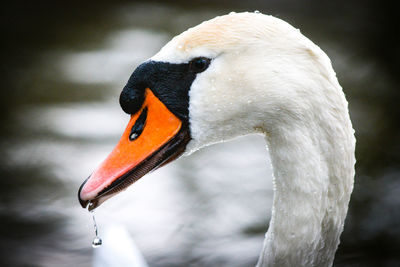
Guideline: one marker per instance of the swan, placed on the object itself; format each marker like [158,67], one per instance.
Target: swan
[239,74]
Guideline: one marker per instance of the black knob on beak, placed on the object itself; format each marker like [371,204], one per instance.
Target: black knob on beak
[131,98]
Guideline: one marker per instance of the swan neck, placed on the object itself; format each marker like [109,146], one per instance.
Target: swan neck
[313,179]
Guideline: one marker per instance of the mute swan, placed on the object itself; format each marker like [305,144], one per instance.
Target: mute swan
[234,75]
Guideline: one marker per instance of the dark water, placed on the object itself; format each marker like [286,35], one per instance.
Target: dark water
[62,69]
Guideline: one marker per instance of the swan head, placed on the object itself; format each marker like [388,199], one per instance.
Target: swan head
[233,75]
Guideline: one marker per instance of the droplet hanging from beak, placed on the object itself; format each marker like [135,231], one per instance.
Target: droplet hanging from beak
[97,242]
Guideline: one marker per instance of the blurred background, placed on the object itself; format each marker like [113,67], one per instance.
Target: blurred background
[63,66]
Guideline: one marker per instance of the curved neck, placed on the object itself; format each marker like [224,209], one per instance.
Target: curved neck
[313,179]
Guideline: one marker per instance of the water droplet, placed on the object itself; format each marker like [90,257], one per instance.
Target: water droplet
[97,240]
[256,11]
[180,47]
[232,13]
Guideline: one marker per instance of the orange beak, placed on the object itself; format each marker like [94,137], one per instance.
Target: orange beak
[153,137]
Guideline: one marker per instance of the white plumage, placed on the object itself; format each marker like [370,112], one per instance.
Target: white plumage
[266,77]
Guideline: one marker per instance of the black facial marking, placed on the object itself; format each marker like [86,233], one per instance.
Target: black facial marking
[169,82]
[138,127]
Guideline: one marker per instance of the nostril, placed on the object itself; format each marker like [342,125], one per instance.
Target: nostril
[138,127]
[131,99]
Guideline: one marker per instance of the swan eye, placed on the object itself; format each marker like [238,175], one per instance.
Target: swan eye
[199,64]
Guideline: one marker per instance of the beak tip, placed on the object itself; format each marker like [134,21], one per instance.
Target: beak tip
[84,203]
[88,204]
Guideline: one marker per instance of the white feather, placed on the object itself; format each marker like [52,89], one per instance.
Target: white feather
[266,77]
